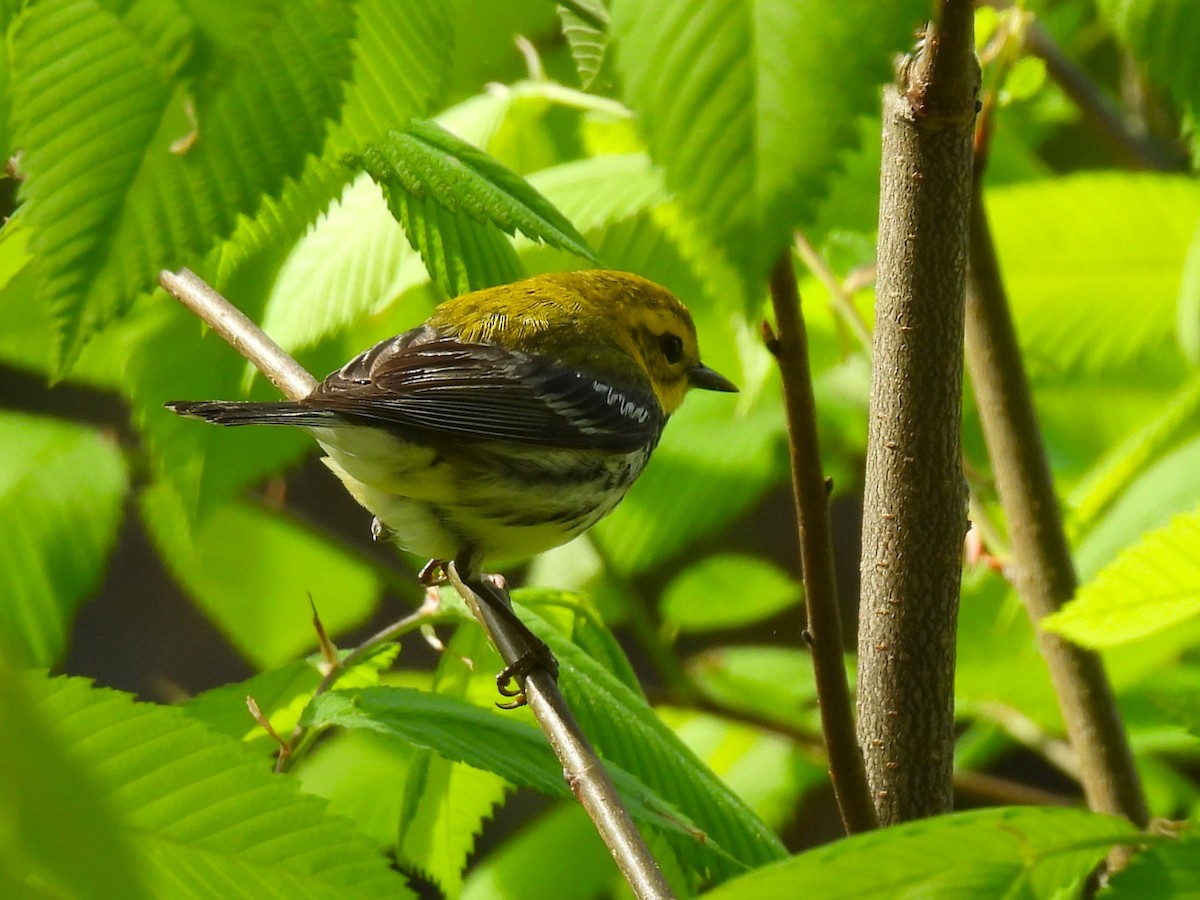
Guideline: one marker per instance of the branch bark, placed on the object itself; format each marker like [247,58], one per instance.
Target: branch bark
[582,769]
[914,517]
[1043,571]
[789,346]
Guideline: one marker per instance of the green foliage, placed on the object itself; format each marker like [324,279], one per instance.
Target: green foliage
[336,167]
[727,592]
[127,170]
[995,853]
[1152,586]
[55,480]
[719,88]
[1161,34]
[193,812]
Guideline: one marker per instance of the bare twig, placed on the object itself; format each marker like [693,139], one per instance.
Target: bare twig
[582,768]
[914,517]
[789,345]
[293,381]
[841,297]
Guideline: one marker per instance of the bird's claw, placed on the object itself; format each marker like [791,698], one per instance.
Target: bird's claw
[510,680]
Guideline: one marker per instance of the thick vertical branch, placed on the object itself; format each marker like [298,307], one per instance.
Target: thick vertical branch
[1043,571]
[915,500]
[789,345]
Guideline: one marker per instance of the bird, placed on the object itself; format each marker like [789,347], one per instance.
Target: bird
[509,422]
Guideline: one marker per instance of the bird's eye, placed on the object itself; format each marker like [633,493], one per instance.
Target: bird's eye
[671,346]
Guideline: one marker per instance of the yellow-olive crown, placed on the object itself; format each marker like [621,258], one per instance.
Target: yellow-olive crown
[616,323]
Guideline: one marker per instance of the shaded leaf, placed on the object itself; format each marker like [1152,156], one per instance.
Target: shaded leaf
[61,832]
[727,591]
[994,853]
[62,490]
[254,572]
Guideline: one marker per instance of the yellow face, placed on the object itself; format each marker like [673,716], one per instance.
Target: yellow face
[664,339]
[613,320]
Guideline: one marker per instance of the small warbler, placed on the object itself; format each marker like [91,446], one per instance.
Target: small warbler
[512,420]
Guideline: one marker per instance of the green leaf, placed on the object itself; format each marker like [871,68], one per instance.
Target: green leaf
[1163,35]
[1092,264]
[162,355]
[62,491]
[122,181]
[1188,314]
[514,750]
[749,104]
[1167,487]
[1168,870]
[428,162]
[707,471]
[572,861]
[61,836]
[280,694]
[774,684]
[1152,586]
[993,853]
[727,591]
[461,254]
[202,813]
[769,771]
[447,803]
[627,732]
[1120,467]
[254,572]
[588,42]
[354,260]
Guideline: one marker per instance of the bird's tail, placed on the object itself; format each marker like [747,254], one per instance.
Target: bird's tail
[231,412]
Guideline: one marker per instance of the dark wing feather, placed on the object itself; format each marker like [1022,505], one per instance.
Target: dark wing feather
[434,383]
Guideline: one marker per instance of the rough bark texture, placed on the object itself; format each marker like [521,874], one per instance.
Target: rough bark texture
[1043,571]
[915,504]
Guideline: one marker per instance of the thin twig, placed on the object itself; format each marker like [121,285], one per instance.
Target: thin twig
[840,297]
[789,345]
[582,768]
[239,332]
[426,615]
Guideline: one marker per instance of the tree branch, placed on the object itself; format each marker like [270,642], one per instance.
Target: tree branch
[1043,570]
[789,345]
[914,517]
[582,769]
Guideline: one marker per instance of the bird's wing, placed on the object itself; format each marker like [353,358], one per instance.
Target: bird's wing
[436,383]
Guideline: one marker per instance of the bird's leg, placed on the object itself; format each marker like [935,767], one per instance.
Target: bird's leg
[433,573]
[525,649]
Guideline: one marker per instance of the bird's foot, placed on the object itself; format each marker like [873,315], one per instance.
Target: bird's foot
[510,679]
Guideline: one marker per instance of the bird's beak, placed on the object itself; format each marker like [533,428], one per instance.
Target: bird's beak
[701,376]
